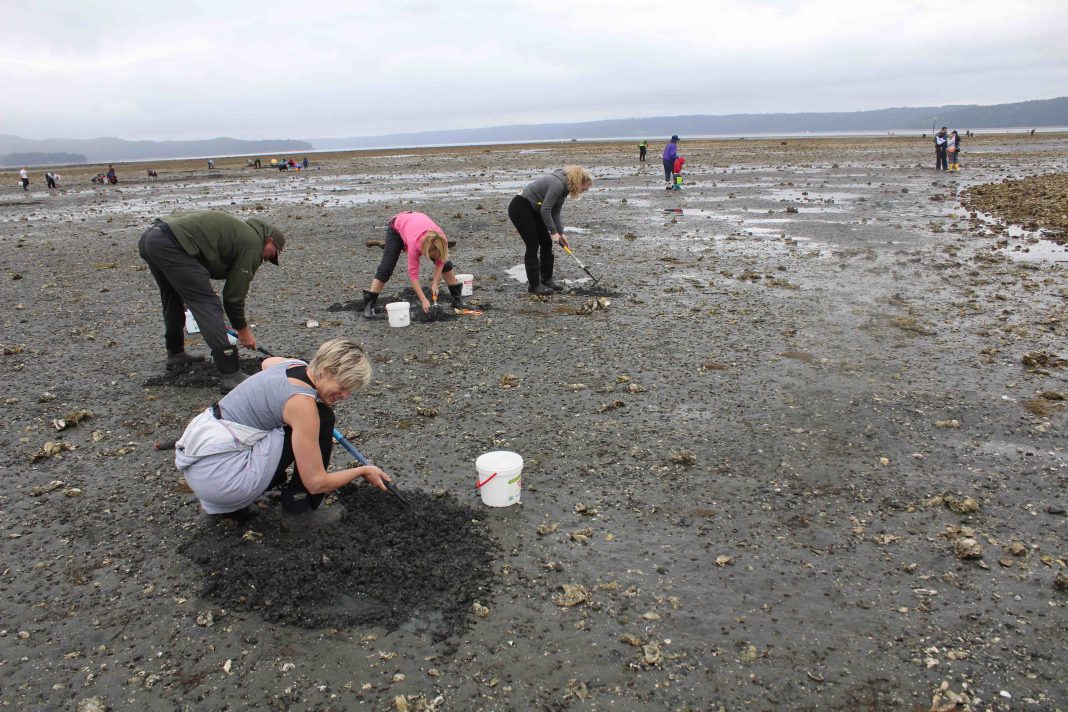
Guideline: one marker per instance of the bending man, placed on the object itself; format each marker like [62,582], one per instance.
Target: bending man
[188,250]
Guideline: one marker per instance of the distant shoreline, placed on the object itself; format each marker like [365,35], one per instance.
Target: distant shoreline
[903,134]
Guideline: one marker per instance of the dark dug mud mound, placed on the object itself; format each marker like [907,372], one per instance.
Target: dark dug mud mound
[376,565]
[198,375]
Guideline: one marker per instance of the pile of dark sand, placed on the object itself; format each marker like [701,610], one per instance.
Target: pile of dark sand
[597,291]
[379,564]
[201,374]
[444,311]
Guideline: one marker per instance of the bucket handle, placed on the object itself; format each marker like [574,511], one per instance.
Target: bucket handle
[485,481]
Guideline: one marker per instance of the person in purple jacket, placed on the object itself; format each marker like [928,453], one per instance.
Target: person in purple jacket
[671,152]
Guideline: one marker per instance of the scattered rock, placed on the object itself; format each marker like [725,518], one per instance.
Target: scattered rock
[683,457]
[967,548]
[573,594]
[963,505]
[92,704]
[45,489]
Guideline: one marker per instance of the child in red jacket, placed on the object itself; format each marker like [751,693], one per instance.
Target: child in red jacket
[676,173]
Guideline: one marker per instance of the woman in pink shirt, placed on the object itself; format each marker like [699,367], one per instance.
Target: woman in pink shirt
[419,236]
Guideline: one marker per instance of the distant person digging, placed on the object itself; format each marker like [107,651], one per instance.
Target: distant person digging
[113,178]
[535,212]
[185,252]
[419,236]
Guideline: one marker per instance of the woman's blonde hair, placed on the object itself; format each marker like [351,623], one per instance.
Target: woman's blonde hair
[344,359]
[578,179]
[435,246]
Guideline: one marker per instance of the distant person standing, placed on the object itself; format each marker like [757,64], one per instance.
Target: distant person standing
[953,151]
[1032,133]
[535,212]
[671,152]
[642,148]
[24,176]
[305,163]
[940,141]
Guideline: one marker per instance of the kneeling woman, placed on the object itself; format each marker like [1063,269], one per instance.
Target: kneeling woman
[240,447]
[536,215]
[418,235]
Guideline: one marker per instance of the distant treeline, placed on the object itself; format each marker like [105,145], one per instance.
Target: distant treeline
[17,160]
[1039,113]
[112,150]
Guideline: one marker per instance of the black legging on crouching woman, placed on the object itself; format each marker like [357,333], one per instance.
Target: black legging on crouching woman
[535,236]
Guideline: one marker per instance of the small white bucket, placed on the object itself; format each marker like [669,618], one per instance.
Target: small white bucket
[467,282]
[399,313]
[500,477]
[191,326]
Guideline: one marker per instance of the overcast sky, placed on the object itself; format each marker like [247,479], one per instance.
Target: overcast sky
[318,68]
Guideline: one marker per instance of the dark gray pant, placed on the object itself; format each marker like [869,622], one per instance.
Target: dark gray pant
[183,282]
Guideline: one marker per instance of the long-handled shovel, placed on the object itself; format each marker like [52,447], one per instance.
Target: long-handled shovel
[358,456]
[584,268]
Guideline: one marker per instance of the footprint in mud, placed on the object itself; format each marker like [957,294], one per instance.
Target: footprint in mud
[373,563]
[201,374]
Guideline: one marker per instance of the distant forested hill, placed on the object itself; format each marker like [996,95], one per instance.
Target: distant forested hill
[1039,113]
[41,159]
[111,150]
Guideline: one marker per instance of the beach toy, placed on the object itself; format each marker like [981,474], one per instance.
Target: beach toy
[500,477]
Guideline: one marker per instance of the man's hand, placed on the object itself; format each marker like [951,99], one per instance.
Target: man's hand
[563,240]
[245,337]
[374,476]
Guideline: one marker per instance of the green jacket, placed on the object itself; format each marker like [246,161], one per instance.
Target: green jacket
[229,248]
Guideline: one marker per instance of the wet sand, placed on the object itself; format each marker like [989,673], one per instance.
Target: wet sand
[751,470]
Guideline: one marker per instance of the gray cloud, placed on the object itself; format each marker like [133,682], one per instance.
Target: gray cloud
[270,69]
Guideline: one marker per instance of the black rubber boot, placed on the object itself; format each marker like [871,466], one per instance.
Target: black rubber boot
[456,292]
[229,365]
[182,359]
[369,301]
[540,289]
[551,284]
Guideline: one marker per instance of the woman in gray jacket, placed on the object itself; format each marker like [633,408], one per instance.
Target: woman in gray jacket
[536,215]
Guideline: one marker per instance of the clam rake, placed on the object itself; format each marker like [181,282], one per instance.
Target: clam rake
[584,268]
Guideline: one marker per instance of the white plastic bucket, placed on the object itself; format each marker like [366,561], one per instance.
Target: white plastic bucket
[191,326]
[467,282]
[500,477]
[399,313]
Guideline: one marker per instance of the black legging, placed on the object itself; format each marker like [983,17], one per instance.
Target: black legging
[326,447]
[536,237]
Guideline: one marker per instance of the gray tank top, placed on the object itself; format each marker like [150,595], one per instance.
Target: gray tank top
[260,399]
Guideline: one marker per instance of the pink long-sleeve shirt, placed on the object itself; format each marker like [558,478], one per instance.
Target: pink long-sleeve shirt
[412,227]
